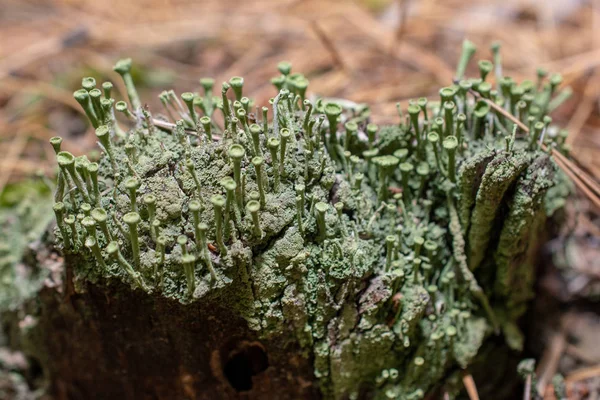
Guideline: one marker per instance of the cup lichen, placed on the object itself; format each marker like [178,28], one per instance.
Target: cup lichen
[391,293]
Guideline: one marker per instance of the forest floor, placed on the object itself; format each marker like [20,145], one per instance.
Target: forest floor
[380,52]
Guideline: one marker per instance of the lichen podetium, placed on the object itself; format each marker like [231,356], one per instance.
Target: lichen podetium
[392,252]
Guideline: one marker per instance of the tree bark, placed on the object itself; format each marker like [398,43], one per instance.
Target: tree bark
[111,342]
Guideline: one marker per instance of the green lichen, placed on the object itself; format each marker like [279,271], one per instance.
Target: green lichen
[470,174]
[515,254]
[499,175]
[24,216]
[357,242]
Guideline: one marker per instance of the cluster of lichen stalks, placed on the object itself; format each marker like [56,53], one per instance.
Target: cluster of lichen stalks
[366,241]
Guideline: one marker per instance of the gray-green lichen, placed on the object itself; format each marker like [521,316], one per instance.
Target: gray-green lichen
[25,212]
[304,217]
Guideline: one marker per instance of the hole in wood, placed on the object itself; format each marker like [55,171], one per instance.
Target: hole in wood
[243,363]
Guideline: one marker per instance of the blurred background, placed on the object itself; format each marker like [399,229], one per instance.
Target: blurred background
[375,51]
